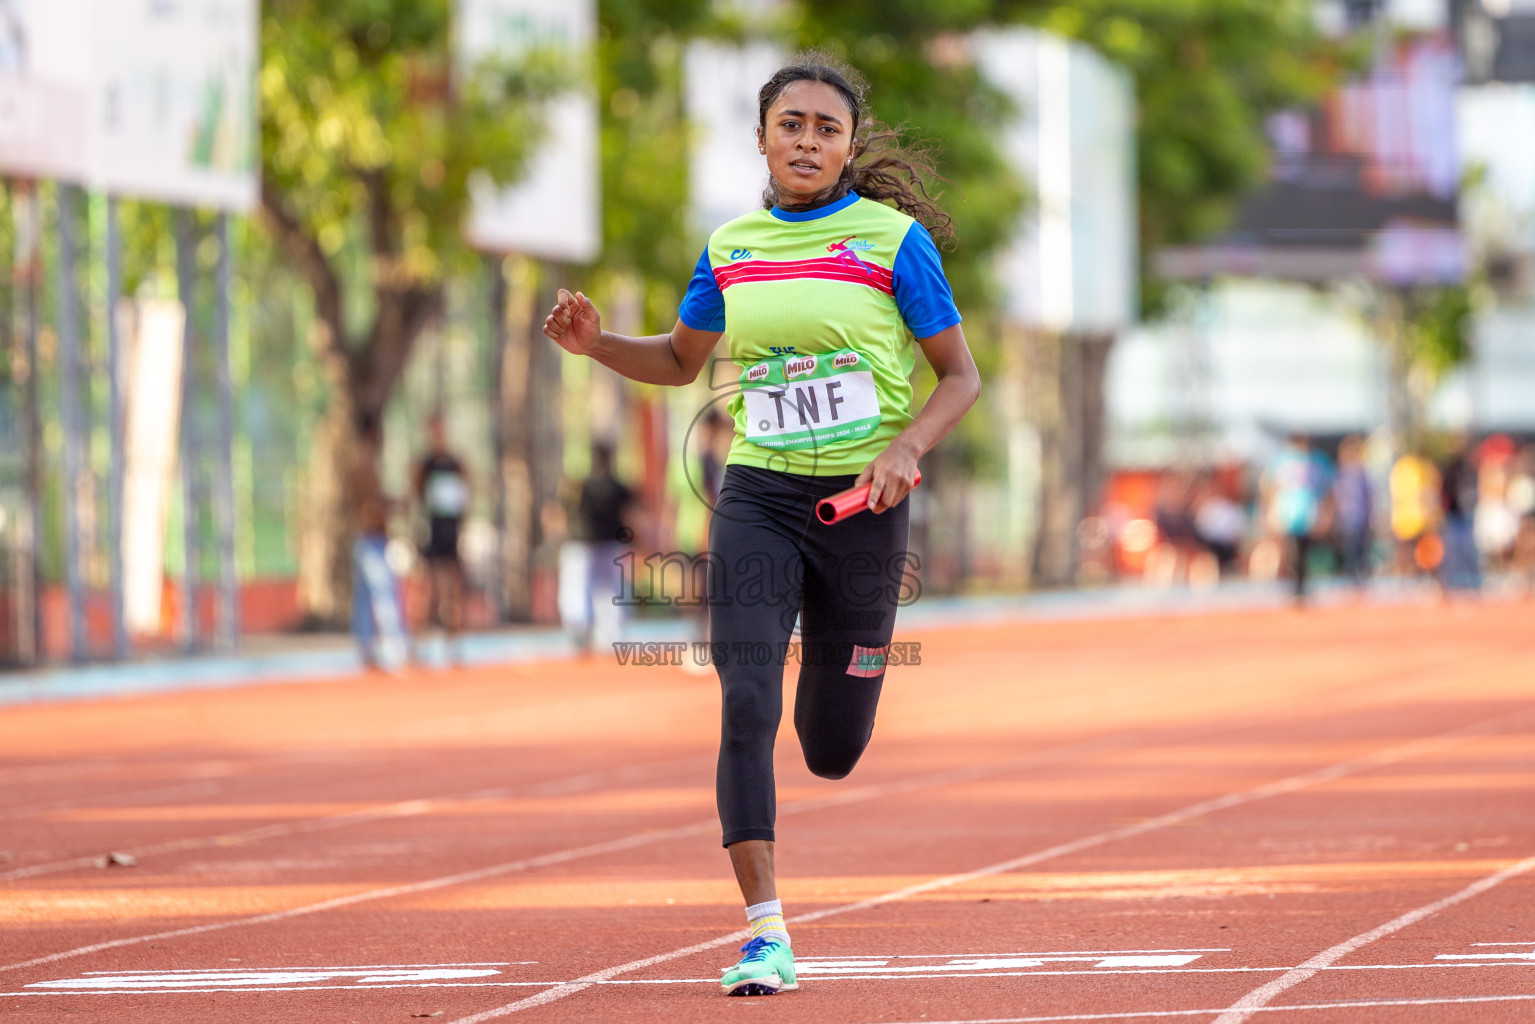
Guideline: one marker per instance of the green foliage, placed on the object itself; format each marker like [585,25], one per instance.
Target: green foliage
[645,139]
[645,148]
[942,104]
[363,121]
[1436,325]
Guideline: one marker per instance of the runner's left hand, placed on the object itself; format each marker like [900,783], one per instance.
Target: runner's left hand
[890,477]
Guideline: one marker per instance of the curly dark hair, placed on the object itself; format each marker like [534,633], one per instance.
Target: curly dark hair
[885,166]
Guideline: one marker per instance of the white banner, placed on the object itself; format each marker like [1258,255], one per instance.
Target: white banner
[138,97]
[45,78]
[555,211]
[1496,132]
[152,384]
[173,106]
[1072,266]
[726,175]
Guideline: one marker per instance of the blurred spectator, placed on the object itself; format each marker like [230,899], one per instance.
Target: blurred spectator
[591,580]
[442,487]
[1414,484]
[1353,510]
[378,620]
[1220,523]
[1521,502]
[1177,542]
[1460,568]
[1294,493]
[1495,522]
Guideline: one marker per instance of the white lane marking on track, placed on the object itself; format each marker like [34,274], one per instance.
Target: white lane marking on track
[378,812]
[1486,956]
[1359,1005]
[971,966]
[88,984]
[1055,952]
[269,977]
[409,889]
[291,988]
[1048,755]
[1293,783]
[1259,997]
[312,967]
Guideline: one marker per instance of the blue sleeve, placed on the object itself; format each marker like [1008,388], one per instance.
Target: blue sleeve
[703,307]
[922,293]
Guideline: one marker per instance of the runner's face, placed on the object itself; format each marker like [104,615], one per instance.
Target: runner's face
[808,139]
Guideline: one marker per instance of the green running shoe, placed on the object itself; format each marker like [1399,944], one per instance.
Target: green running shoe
[765,970]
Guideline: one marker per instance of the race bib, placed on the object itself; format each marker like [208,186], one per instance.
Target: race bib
[798,402]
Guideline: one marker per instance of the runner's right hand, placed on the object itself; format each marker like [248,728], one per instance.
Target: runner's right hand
[575,324]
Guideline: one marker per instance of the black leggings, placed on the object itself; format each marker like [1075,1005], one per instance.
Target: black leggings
[772,559]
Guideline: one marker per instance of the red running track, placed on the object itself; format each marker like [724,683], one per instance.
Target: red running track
[1310,818]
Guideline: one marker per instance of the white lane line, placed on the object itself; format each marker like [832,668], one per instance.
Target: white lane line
[1088,747]
[56,988]
[1259,997]
[363,815]
[1149,1014]
[976,965]
[1047,755]
[303,967]
[442,882]
[1389,755]
[240,981]
[1486,956]
[1058,952]
[178,990]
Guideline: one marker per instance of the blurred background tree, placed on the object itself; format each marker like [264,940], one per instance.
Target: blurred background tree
[1208,73]
[645,148]
[368,143]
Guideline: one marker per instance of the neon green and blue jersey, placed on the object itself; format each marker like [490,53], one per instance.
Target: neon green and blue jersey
[820,310]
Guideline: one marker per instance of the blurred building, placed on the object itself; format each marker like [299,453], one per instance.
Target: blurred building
[1415,176]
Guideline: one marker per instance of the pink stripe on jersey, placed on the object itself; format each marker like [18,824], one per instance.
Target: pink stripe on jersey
[846,267]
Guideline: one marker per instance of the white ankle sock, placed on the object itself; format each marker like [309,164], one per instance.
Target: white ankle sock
[766,921]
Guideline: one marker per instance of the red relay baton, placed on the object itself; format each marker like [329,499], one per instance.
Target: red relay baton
[847,503]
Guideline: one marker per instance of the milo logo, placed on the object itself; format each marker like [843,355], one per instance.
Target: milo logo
[757,372]
[799,367]
[845,359]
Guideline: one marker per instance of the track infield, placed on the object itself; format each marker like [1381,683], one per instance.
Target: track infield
[1269,816]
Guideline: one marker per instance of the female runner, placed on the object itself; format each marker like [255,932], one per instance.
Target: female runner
[821,293]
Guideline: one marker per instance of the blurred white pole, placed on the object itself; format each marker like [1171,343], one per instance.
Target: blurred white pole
[74,434]
[28,222]
[495,272]
[115,413]
[191,559]
[224,496]
[1057,274]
